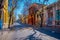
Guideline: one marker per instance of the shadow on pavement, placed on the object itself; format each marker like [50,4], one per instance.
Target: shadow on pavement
[49,32]
[31,37]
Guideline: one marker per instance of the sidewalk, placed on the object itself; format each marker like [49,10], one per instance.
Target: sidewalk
[50,32]
[25,33]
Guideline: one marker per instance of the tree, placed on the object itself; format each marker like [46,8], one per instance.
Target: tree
[41,15]
[14,6]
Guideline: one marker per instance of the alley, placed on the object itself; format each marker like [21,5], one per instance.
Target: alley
[29,19]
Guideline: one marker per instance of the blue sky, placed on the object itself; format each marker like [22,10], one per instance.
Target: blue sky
[24,4]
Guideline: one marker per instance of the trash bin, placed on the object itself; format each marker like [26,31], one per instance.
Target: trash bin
[1,24]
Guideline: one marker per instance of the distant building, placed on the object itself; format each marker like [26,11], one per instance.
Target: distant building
[22,18]
[34,14]
[26,19]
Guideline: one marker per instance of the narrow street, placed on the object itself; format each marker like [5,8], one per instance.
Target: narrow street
[24,33]
[29,19]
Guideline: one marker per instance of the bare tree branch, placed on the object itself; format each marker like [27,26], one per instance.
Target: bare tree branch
[14,5]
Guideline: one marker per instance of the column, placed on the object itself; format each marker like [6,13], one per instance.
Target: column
[5,11]
[53,16]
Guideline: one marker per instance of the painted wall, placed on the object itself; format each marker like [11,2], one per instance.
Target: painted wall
[6,15]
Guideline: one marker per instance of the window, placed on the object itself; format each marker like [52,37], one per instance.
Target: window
[57,17]
[50,16]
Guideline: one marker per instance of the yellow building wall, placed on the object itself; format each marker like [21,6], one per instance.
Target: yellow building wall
[6,15]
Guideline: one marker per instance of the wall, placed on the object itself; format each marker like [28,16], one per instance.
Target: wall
[6,15]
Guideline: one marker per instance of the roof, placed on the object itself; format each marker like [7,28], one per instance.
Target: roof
[36,5]
[54,4]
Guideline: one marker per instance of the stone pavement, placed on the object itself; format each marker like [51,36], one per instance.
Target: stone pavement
[22,34]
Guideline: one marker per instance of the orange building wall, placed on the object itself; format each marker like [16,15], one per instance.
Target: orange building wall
[31,16]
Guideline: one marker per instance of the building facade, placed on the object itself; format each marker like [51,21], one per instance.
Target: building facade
[6,15]
[51,15]
[53,12]
[34,17]
[32,12]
